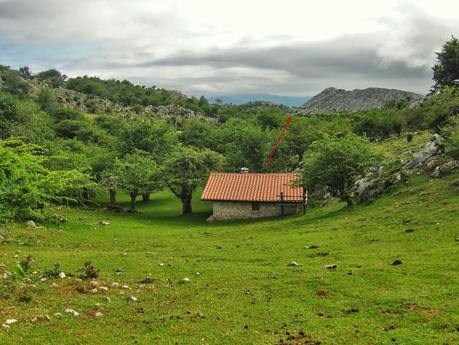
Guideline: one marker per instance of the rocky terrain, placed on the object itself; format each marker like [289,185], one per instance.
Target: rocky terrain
[332,100]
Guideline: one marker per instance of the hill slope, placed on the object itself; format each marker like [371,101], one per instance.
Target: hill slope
[333,100]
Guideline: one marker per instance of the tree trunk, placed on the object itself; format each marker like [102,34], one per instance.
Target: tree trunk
[348,200]
[133,195]
[146,196]
[112,193]
[85,194]
[186,201]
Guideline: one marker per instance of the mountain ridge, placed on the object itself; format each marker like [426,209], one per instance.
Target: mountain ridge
[333,100]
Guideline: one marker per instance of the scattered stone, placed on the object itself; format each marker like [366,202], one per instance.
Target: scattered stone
[40,318]
[61,275]
[104,222]
[293,263]
[93,290]
[119,271]
[220,247]
[330,267]
[132,299]
[58,314]
[31,224]
[98,314]
[103,288]
[115,284]
[93,283]
[9,322]
[201,315]
[148,280]
[396,262]
[185,280]
[161,264]
[7,275]
[311,247]
[126,287]
[72,312]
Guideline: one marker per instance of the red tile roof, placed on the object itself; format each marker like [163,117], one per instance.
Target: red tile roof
[252,187]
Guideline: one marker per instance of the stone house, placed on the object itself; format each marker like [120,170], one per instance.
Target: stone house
[253,195]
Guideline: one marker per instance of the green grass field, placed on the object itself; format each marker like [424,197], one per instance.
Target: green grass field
[245,292]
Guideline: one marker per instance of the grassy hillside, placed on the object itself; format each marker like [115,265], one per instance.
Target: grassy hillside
[246,293]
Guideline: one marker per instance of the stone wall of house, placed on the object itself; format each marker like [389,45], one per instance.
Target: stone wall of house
[230,210]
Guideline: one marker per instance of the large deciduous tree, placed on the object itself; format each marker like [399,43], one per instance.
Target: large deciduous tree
[446,70]
[137,172]
[187,169]
[335,162]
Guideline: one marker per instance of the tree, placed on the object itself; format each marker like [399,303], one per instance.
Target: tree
[335,162]
[25,71]
[137,172]
[446,71]
[25,183]
[186,170]
[47,100]
[157,138]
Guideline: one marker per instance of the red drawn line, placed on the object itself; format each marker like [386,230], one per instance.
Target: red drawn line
[271,155]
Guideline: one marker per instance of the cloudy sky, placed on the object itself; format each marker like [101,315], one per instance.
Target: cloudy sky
[219,47]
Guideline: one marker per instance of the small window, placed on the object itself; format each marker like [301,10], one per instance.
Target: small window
[255,206]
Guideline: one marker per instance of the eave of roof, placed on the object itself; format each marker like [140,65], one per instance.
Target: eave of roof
[253,187]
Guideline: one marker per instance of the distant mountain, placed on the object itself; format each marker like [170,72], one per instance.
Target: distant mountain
[333,100]
[248,98]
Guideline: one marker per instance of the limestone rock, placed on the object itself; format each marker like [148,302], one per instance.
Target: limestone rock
[293,263]
[432,148]
[31,224]
[445,168]
[72,312]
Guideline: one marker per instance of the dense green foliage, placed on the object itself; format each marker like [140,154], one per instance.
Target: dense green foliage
[186,170]
[446,70]
[335,163]
[122,153]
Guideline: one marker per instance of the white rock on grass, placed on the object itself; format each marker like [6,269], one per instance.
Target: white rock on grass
[132,299]
[126,287]
[40,318]
[103,288]
[10,322]
[293,263]
[72,312]
[98,314]
[185,280]
[61,275]
[31,224]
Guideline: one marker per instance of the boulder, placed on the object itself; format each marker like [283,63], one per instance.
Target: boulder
[293,263]
[432,148]
[445,168]
[31,224]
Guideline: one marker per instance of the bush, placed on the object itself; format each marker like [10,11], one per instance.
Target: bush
[335,163]
[47,100]
[88,271]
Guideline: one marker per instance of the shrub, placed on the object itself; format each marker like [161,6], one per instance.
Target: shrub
[88,271]
[52,273]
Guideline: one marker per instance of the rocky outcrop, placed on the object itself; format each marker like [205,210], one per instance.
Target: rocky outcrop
[375,183]
[333,100]
[433,148]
